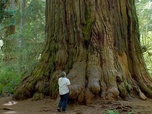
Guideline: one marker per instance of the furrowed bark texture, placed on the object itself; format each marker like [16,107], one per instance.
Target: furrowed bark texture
[97,43]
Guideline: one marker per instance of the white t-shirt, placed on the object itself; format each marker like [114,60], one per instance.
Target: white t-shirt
[63,85]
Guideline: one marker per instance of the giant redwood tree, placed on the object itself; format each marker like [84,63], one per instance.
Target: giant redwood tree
[97,43]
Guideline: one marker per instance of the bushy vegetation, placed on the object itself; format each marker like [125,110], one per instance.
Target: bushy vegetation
[145,21]
[9,79]
[21,50]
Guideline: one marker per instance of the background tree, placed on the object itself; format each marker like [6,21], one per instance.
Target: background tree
[97,43]
[7,16]
[145,21]
[23,45]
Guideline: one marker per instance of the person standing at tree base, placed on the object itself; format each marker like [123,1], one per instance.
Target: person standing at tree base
[64,90]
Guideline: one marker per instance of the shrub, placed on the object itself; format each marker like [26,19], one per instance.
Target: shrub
[111,112]
[9,79]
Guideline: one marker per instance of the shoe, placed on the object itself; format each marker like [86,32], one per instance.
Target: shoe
[59,110]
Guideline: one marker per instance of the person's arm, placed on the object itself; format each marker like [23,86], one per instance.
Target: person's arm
[69,86]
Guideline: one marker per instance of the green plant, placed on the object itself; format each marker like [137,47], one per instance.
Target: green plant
[1,88]
[145,19]
[111,112]
[25,45]
[9,79]
[115,112]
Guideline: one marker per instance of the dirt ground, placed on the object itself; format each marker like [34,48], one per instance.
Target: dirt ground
[48,106]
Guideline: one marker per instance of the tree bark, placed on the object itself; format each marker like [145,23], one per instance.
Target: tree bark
[97,43]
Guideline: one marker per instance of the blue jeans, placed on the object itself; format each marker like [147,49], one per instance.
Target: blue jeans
[63,101]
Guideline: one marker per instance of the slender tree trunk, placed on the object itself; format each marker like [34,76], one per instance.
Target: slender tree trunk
[20,63]
[9,42]
[97,43]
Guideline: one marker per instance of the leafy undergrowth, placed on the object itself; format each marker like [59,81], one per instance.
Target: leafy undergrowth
[8,80]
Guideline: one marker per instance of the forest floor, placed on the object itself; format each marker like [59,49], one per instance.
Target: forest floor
[49,106]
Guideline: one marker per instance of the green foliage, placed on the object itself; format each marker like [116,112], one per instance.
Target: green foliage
[147,51]
[111,112]
[25,45]
[144,14]
[8,79]
[114,112]
[145,24]
[1,88]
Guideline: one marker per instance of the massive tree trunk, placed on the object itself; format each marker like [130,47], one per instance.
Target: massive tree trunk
[97,43]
